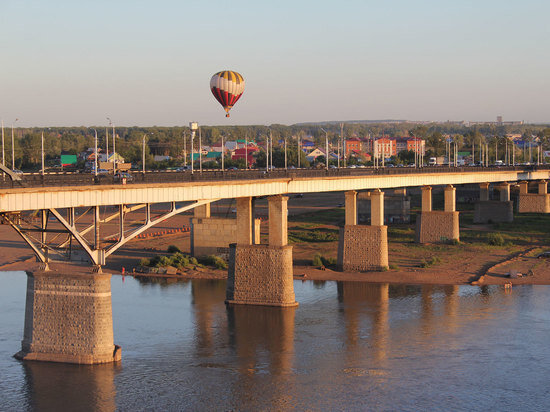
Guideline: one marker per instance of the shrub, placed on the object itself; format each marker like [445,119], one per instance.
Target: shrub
[320,260]
[173,249]
[144,262]
[432,261]
[212,260]
[495,239]
[393,266]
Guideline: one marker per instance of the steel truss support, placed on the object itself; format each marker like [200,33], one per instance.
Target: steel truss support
[95,253]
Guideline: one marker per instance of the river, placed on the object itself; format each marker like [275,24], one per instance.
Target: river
[348,346]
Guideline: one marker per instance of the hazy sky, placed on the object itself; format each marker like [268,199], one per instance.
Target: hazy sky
[76,62]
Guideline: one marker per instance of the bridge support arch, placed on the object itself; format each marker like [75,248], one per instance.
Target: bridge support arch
[261,274]
[68,319]
[437,226]
[361,247]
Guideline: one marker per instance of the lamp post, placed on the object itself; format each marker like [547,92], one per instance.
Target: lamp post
[200,150]
[3,153]
[143,154]
[193,126]
[13,147]
[114,145]
[95,151]
[326,148]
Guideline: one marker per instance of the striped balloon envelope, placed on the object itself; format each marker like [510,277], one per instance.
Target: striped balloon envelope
[227,87]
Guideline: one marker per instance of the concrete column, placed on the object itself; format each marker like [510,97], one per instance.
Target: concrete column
[426,198]
[202,212]
[244,221]
[543,187]
[450,198]
[484,192]
[377,208]
[278,223]
[351,207]
[504,192]
[68,319]
[400,191]
[523,188]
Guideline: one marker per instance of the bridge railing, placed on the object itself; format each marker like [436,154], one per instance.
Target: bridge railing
[86,179]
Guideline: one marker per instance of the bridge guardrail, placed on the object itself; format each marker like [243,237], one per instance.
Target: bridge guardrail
[84,179]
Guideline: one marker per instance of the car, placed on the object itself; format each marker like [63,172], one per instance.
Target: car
[123,176]
[232,168]
[17,171]
[183,168]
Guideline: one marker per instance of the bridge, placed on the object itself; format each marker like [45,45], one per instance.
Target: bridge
[68,316]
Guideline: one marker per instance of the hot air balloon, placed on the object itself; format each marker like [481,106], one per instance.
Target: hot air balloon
[227,87]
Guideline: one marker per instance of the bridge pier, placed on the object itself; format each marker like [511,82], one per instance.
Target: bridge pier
[360,247]
[437,226]
[533,202]
[261,274]
[68,319]
[213,235]
[497,211]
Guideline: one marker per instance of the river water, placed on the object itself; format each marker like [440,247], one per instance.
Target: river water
[348,346]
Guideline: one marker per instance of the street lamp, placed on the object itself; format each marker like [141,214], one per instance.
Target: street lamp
[12,147]
[143,155]
[114,145]
[194,127]
[95,150]
[3,153]
[326,146]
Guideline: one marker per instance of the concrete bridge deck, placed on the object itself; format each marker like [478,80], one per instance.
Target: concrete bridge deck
[182,187]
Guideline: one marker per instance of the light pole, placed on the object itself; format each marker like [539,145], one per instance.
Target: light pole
[3,153]
[285,155]
[95,150]
[193,126]
[143,154]
[326,148]
[200,150]
[114,145]
[12,147]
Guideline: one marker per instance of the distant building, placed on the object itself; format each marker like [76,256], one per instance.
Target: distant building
[384,147]
[353,145]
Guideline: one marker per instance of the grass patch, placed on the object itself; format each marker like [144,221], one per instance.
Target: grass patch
[322,217]
[212,260]
[313,235]
[434,260]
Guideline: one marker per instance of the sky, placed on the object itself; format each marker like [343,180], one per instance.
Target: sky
[149,63]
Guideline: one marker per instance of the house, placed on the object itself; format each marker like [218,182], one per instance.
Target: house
[307,145]
[245,153]
[315,153]
[384,147]
[353,144]
[160,158]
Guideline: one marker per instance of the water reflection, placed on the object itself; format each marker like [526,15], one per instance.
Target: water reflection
[57,387]
[210,318]
[263,340]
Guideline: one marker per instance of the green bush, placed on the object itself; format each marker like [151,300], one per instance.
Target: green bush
[144,262]
[393,266]
[434,260]
[173,249]
[495,239]
[212,260]
[320,260]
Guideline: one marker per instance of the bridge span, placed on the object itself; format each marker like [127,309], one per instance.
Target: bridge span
[68,316]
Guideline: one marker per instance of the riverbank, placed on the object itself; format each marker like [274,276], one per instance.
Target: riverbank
[476,258]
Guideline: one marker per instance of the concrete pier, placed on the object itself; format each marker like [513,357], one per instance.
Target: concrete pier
[68,319]
[438,226]
[361,247]
[494,211]
[261,274]
[533,202]
[213,235]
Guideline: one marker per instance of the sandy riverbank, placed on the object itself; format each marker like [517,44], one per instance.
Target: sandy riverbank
[461,265]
